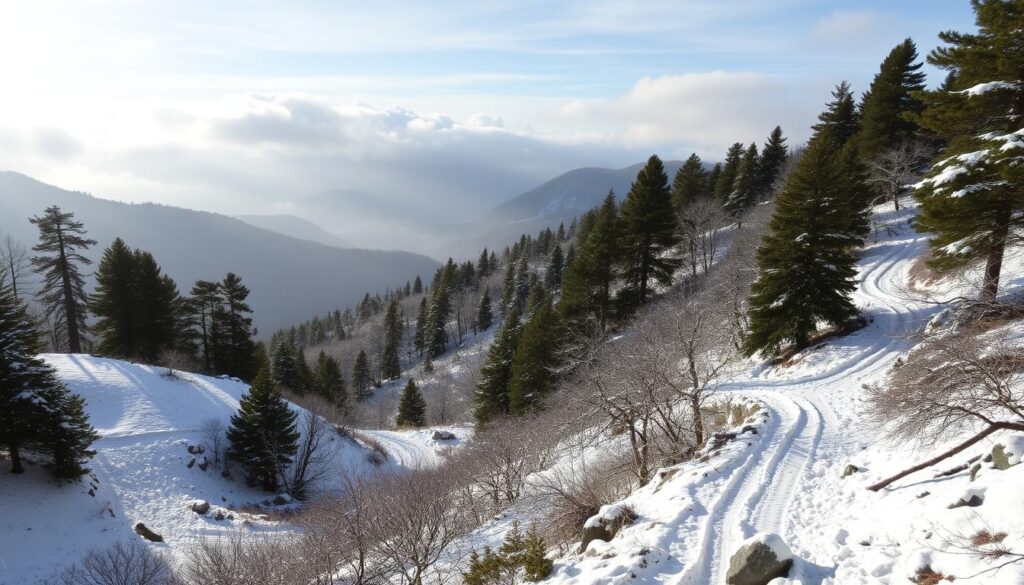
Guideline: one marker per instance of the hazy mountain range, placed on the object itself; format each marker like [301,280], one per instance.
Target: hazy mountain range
[291,279]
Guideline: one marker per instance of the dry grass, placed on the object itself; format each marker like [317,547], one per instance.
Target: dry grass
[930,577]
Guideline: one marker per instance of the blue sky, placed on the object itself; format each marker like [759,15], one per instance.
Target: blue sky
[249,106]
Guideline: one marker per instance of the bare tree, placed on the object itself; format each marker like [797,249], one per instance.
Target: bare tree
[892,171]
[418,522]
[215,438]
[15,265]
[699,225]
[247,558]
[312,460]
[950,385]
[123,563]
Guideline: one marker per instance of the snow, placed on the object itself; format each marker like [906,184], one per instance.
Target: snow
[146,423]
[983,88]
[774,543]
[1013,446]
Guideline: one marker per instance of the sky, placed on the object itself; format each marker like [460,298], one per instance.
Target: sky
[252,107]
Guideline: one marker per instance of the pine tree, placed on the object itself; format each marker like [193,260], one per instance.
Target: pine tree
[285,362]
[483,265]
[536,565]
[234,348]
[553,271]
[417,286]
[116,302]
[747,186]
[491,397]
[521,286]
[508,287]
[419,340]
[806,263]
[690,183]
[714,176]
[162,323]
[586,286]
[973,198]
[38,414]
[263,436]
[773,159]
[61,242]
[329,382]
[436,332]
[532,374]
[648,232]
[390,366]
[203,306]
[484,316]
[840,120]
[727,175]
[888,108]
[412,409]
[362,381]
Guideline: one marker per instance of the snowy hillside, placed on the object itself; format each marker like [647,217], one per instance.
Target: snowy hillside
[143,470]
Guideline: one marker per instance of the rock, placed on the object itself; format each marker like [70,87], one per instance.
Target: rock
[850,470]
[204,464]
[759,559]
[971,498]
[191,462]
[442,436]
[146,533]
[974,471]
[218,515]
[200,507]
[606,524]
[196,449]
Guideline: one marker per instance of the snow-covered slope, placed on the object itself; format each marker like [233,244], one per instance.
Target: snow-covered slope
[141,472]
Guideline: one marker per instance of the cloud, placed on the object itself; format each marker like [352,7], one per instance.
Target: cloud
[56,144]
[850,27]
[704,112]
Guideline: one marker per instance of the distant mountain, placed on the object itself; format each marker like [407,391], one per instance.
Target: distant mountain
[570,194]
[290,278]
[296,227]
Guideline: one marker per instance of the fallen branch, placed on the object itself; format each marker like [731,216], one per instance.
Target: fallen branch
[999,426]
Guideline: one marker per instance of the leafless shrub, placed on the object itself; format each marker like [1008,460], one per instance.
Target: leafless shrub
[699,224]
[247,559]
[951,385]
[123,563]
[418,521]
[569,494]
[312,460]
[177,361]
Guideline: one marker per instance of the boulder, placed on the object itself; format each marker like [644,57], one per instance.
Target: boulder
[974,471]
[606,524]
[759,559]
[1008,452]
[850,470]
[196,449]
[146,533]
[442,436]
[971,498]
[200,507]
[204,464]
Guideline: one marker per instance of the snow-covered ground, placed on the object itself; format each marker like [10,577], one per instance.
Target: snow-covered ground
[788,479]
[147,422]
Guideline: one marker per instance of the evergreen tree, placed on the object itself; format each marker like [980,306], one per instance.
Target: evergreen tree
[263,436]
[417,286]
[648,232]
[714,176]
[286,370]
[536,565]
[390,366]
[483,265]
[532,373]
[116,302]
[508,288]
[840,120]
[329,382]
[161,322]
[436,333]
[747,187]
[362,381]
[420,336]
[203,306]
[234,348]
[521,287]
[38,414]
[888,108]
[973,198]
[412,409]
[690,183]
[806,263]
[484,317]
[553,272]
[773,159]
[61,242]
[726,180]
[586,286]
[491,397]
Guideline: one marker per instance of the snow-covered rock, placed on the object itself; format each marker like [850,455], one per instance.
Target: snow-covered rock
[760,559]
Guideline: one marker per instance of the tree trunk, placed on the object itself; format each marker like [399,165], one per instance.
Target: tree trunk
[994,262]
[975,439]
[16,466]
[70,309]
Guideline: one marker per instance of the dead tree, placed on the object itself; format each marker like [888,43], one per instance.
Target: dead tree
[892,171]
[951,385]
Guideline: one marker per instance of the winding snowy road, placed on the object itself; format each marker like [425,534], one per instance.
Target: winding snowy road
[813,402]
